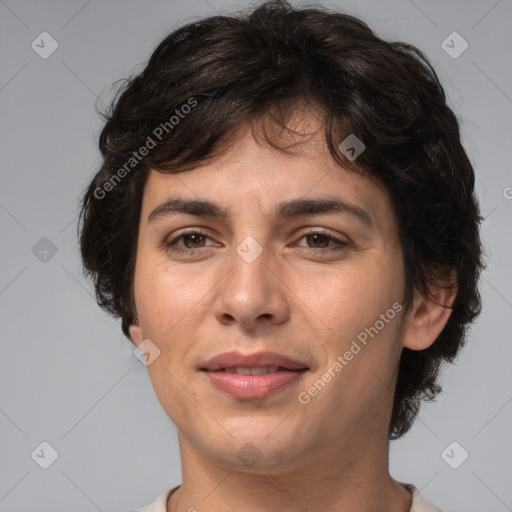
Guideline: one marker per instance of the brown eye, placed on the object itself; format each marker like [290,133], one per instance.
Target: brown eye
[318,239]
[321,239]
[192,240]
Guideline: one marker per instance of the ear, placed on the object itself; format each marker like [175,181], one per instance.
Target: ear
[136,334]
[430,314]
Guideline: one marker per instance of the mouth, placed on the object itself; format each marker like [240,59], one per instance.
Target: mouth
[253,376]
[256,371]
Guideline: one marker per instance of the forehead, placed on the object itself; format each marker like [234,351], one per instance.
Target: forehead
[251,177]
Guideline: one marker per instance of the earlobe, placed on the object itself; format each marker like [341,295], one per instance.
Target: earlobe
[136,334]
[428,317]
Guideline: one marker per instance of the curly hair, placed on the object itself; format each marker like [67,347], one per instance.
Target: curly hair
[208,77]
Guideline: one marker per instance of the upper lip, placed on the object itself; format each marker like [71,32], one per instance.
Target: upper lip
[256,360]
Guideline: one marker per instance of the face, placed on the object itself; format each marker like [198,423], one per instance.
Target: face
[320,286]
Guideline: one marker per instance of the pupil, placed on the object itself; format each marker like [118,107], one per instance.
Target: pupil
[193,236]
[316,237]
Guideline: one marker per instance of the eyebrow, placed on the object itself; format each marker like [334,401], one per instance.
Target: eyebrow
[285,209]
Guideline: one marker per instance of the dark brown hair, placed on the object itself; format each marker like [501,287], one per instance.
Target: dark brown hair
[209,77]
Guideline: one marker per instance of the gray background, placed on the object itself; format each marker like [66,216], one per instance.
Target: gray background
[69,377]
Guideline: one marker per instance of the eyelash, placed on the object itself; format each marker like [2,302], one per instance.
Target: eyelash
[172,248]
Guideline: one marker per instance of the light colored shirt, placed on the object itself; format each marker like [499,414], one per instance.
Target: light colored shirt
[418,503]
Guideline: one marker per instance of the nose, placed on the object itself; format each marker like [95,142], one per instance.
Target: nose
[251,294]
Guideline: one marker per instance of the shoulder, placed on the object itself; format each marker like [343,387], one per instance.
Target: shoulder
[418,502]
[160,504]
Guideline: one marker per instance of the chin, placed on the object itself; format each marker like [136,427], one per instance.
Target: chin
[255,445]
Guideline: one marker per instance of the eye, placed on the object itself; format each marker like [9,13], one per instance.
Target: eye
[321,237]
[195,237]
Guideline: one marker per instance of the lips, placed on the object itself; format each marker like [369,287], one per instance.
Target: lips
[230,360]
[252,376]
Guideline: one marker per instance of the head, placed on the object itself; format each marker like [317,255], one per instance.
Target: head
[253,110]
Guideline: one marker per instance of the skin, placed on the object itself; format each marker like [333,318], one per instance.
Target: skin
[332,453]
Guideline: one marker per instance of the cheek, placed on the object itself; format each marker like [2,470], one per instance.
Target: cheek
[163,293]
[172,302]
[352,297]
[369,323]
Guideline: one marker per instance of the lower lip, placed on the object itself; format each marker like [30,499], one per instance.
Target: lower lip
[253,386]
